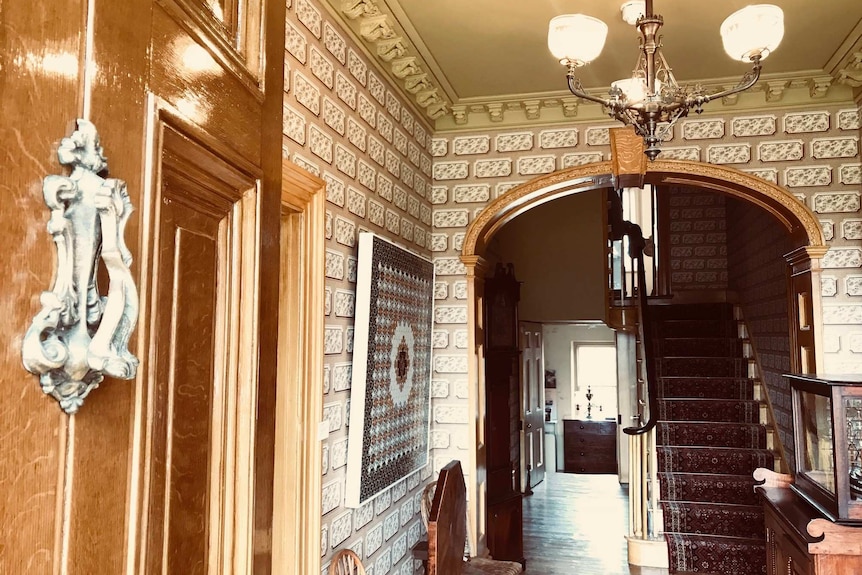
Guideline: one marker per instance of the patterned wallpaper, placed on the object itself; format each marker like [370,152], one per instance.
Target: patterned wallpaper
[698,241]
[759,278]
[345,123]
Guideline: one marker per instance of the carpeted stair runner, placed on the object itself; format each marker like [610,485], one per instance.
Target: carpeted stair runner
[709,442]
[728,519]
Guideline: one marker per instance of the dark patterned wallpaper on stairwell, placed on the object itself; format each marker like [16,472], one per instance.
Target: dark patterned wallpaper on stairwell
[758,276]
[698,242]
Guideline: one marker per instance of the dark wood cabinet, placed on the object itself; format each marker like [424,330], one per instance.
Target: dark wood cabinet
[589,446]
[801,541]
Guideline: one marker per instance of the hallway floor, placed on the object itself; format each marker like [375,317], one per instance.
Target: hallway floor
[577,524]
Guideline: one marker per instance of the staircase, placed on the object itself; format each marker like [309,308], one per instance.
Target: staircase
[709,441]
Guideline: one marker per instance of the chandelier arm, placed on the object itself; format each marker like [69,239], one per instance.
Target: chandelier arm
[749,80]
[576,89]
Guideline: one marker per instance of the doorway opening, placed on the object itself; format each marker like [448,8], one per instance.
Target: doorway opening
[481,242]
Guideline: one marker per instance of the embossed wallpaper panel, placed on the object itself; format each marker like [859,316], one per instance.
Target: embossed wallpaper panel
[348,125]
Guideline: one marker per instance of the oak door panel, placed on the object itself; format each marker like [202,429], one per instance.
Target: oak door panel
[77,492]
[204,386]
[182,410]
[37,106]
[192,79]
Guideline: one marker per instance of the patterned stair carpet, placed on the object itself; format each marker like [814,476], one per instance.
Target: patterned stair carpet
[709,442]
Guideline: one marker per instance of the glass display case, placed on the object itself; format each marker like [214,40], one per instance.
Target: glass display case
[827,431]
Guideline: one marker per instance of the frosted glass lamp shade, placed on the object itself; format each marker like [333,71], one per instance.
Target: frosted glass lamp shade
[635,89]
[576,38]
[753,30]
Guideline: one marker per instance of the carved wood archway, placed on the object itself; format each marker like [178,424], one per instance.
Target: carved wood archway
[803,263]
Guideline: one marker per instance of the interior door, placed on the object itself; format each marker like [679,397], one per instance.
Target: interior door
[170,472]
[532,403]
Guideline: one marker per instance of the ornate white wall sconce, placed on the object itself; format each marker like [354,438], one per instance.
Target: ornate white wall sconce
[79,336]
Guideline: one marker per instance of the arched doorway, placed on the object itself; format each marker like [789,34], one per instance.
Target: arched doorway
[803,265]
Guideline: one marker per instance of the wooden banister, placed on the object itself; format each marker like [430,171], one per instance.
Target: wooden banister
[636,252]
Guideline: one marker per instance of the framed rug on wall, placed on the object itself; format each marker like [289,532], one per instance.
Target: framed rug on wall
[390,396]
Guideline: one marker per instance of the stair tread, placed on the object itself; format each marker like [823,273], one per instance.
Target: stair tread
[705,399]
[714,460]
[712,357]
[711,433]
[728,506]
[725,476]
[710,423]
[709,338]
[733,538]
[718,448]
[705,379]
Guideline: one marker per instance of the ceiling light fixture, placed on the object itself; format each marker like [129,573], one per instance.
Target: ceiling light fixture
[651,100]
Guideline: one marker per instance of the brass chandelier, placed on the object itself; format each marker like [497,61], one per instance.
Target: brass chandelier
[651,100]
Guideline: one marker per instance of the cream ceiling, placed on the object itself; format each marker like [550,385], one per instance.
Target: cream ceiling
[457,58]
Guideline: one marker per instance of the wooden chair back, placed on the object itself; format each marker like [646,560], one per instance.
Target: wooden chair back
[447,522]
[346,562]
[427,500]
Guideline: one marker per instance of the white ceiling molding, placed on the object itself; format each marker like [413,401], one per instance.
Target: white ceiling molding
[386,41]
[846,65]
[773,92]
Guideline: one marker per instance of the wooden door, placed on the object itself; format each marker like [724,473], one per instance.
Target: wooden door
[532,403]
[503,416]
[170,472]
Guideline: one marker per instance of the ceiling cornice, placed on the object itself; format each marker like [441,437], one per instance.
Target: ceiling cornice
[846,64]
[772,92]
[393,50]
[388,38]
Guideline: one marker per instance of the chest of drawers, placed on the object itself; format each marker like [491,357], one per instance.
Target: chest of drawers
[589,446]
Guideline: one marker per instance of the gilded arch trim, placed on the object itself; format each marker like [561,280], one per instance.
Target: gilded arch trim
[794,215]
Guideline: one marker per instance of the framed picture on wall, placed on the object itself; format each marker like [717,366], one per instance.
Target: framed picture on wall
[391,386]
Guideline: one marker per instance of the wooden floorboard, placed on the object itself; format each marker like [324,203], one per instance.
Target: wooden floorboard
[577,524]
